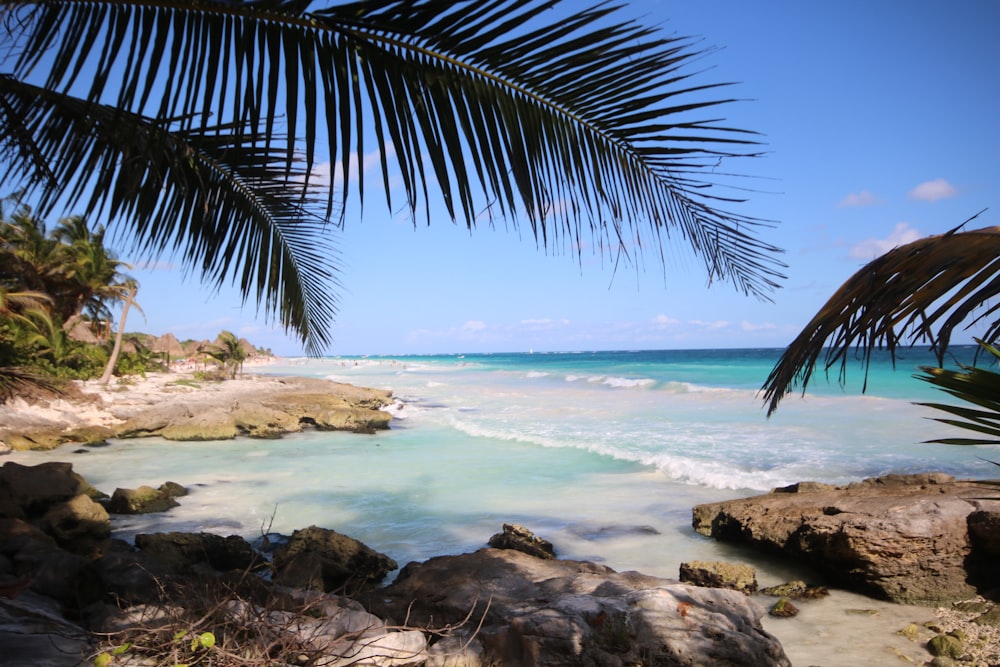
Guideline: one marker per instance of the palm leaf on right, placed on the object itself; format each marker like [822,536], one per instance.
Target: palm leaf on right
[972,384]
[916,293]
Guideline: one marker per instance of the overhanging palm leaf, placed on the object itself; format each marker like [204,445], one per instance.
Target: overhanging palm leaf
[582,125]
[227,209]
[975,385]
[917,293]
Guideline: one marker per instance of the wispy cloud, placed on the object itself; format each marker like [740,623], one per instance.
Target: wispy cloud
[716,324]
[473,326]
[661,321]
[869,249]
[757,326]
[933,191]
[863,198]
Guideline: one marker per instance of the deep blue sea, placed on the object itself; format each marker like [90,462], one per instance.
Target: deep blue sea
[602,453]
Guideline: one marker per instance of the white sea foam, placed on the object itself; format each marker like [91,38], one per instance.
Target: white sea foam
[629,382]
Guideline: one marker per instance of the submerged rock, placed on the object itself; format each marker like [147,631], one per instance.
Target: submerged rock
[142,500]
[784,608]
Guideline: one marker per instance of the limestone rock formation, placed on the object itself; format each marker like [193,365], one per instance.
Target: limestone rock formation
[719,574]
[515,609]
[182,408]
[904,538]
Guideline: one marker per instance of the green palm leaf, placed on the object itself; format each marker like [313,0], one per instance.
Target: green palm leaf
[226,209]
[972,384]
[585,127]
[917,293]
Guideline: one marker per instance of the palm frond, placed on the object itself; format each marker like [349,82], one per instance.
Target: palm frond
[917,293]
[584,125]
[971,384]
[215,197]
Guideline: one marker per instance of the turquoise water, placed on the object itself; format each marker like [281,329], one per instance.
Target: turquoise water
[602,453]
[573,445]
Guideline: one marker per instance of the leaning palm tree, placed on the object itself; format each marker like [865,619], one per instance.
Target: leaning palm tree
[197,126]
[916,294]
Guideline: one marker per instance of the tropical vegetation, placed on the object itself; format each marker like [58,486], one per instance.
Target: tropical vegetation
[57,291]
[200,128]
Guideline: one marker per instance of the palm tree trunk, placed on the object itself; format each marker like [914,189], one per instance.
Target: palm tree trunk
[116,350]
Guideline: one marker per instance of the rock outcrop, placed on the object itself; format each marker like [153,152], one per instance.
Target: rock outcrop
[919,539]
[533,611]
[182,408]
[509,608]
[324,560]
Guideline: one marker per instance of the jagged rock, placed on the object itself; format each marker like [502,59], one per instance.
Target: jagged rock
[521,539]
[78,525]
[797,590]
[180,553]
[325,560]
[523,610]
[31,490]
[142,500]
[900,537]
[719,574]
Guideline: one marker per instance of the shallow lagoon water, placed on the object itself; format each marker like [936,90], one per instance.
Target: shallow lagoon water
[603,454]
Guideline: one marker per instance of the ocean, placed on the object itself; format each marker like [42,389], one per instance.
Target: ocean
[601,453]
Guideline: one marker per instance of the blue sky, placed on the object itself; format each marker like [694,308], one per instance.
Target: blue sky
[880,125]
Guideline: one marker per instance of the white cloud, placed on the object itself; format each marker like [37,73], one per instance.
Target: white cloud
[869,249]
[664,321]
[543,324]
[933,190]
[717,324]
[757,326]
[473,326]
[863,198]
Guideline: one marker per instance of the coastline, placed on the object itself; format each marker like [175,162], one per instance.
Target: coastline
[119,401]
[180,405]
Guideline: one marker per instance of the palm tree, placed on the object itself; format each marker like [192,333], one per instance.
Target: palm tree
[918,293]
[196,126]
[131,287]
[94,278]
[228,351]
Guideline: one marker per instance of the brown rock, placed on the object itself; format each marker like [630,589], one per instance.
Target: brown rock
[78,525]
[899,537]
[719,574]
[33,489]
[325,560]
[179,553]
[521,539]
[142,500]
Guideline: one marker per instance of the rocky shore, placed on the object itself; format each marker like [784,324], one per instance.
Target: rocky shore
[70,591]
[181,406]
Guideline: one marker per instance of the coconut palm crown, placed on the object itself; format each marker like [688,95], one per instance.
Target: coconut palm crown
[196,127]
